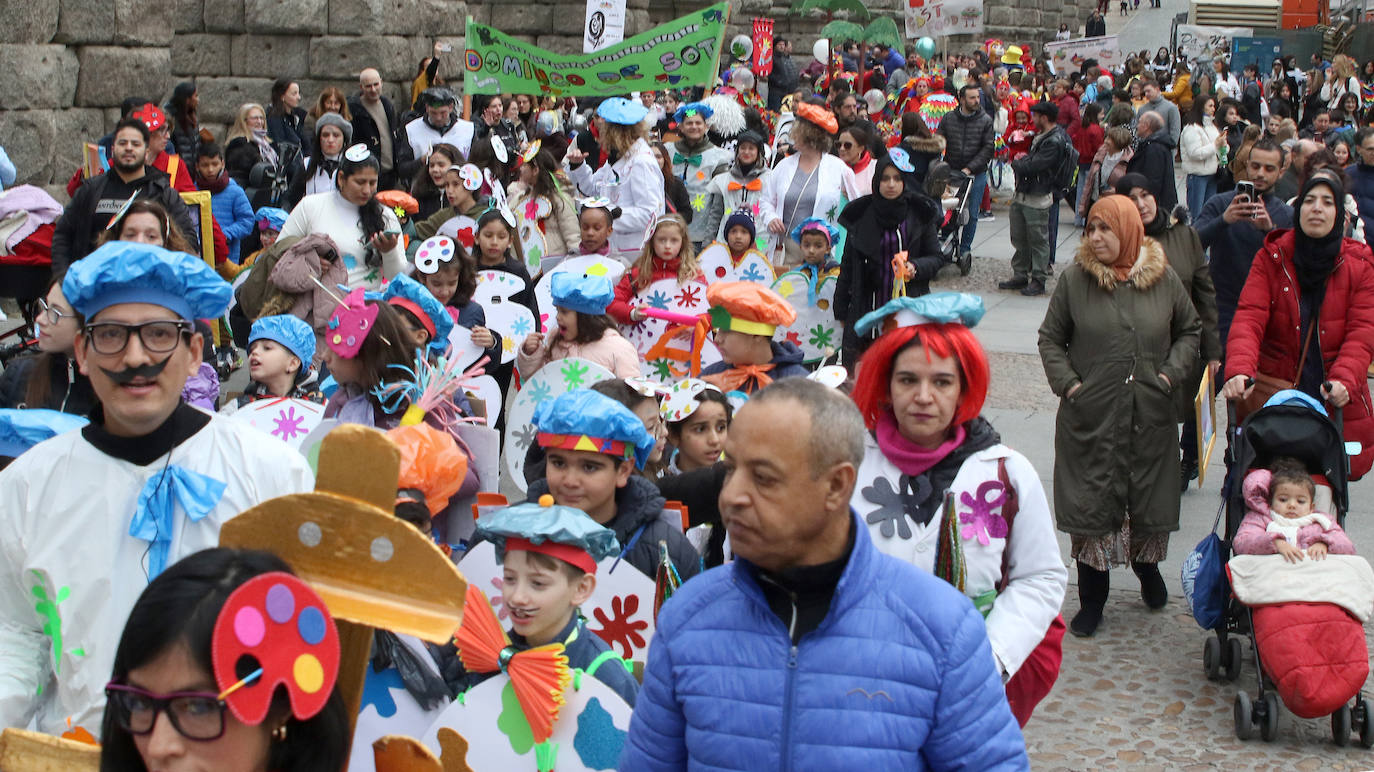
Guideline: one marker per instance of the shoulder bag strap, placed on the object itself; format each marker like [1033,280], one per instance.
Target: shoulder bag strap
[1009,510]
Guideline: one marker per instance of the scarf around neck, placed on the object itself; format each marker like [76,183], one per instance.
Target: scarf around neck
[265,149]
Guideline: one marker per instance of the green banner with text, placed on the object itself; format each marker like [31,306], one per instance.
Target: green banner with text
[684,52]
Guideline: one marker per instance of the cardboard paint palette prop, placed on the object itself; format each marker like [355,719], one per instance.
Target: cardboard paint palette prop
[495,291]
[288,419]
[462,229]
[466,353]
[815,330]
[557,377]
[25,751]
[594,265]
[528,214]
[620,610]
[664,347]
[369,568]
[718,265]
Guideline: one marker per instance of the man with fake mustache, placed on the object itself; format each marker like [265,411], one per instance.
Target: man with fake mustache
[91,516]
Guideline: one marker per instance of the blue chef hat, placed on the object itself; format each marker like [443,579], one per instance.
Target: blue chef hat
[937,307]
[270,217]
[694,108]
[405,292]
[127,272]
[591,421]
[544,527]
[22,429]
[622,111]
[290,331]
[581,293]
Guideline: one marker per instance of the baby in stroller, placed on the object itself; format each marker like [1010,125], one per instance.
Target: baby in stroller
[1282,516]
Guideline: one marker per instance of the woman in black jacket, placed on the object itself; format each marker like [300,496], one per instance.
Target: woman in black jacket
[285,118]
[896,220]
[50,379]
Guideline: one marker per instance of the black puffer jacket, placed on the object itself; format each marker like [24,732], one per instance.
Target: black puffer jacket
[1035,172]
[75,233]
[968,140]
[69,391]
[640,506]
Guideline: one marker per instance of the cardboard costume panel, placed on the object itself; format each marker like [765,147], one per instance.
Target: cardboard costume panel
[495,293]
[557,377]
[815,331]
[591,265]
[653,337]
[288,419]
[528,214]
[718,265]
[387,709]
[462,229]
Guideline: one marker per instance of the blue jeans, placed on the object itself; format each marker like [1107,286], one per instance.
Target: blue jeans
[1200,188]
[975,199]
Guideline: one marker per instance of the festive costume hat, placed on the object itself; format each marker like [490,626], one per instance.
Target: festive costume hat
[742,218]
[565,533]
[431,463]
[151,116]
[821,116]
[399,202]
[583,293]
[590,421]
[622,111]
[816,225]
[694,108]
[682,401]
[348,328]
[270,218]
[747,307]
[128,272]
[290,331]
[935,308]
[404,292]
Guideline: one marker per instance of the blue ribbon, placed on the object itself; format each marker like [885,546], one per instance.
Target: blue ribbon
[813,278]
[197,494]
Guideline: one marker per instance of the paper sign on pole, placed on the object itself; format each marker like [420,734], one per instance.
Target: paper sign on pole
[1198,42]
[604,26]
[932,18]
[1067,55]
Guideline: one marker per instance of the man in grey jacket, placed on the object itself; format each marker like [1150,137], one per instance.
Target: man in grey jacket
[1030,207]
[1156,103]
[968,147]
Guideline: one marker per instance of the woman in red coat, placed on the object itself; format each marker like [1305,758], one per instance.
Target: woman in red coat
[1306,272]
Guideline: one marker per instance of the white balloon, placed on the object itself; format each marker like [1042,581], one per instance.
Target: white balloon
[821,50]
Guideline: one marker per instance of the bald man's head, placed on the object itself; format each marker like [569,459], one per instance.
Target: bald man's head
[1148,124]
[370,84]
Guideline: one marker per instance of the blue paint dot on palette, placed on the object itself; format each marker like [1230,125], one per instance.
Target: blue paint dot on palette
[311,625]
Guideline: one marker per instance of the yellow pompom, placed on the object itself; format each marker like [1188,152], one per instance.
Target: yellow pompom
[546,500]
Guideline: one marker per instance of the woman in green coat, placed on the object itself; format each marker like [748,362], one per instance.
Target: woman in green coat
[1119,335]
[1183,250]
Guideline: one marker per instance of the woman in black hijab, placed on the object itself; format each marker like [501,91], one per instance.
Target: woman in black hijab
[895,220]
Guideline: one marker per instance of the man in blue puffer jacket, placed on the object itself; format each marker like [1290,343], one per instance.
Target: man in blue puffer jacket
[814,651]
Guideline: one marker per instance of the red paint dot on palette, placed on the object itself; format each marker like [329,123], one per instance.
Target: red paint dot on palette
[720,272]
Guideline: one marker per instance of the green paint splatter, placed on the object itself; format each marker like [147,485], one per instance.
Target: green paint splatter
[47,608]
[512,722]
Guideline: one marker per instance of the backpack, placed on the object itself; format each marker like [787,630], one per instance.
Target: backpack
[1064,174]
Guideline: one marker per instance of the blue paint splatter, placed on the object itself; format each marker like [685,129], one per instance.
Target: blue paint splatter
[521,327]
[657,300]
[377,690]
[752,273]
[598,742]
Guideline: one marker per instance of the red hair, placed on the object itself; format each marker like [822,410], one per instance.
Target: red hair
[872,390]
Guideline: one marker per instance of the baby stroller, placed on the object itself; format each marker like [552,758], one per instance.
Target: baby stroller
[951,188]
[1309,652]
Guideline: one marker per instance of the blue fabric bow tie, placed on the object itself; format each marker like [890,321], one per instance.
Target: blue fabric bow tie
[157,502]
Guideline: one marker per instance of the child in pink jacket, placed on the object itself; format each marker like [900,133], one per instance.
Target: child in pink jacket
[1280,516]
[584,329]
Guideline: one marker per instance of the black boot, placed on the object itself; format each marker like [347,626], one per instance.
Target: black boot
[1092,598]
[1187,472]
[1152,589]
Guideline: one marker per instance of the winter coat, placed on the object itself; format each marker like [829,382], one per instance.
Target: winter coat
[293,277]
[1265,337]
[366,131]
[1183,250]
[897,676]
[1167,110]
[561,232]
[640,523]
[1035,172]
[923,152]
[1115,442]
[625,289]
[1154,158]
[968,140]
[234,215]
[75,232]
[1255,537]
[240,156]
[862,286]
[1232,248]
[69,390]
[288,128]
[1199,150]
[612,352]
[787,363]
[730,190]
[1362,188]
[1097,186]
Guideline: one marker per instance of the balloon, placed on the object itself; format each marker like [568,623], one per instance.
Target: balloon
[821,50]
[925,48]
[741,46]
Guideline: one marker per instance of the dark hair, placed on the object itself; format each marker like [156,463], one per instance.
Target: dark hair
[39,388]
[545,184]
[1092,114]
[964,89]
[181,606]
[494,215]
[465,264]
[1322,160]
[384,346]
[180,109]
[370,214]
[209,150]
[132,123]
[1269,146]
[129,105]
[172,237]
[859,134]
[703,396]
[591,327]
[913,125]
[1290,471]
[609,214]
[279,89]
[1280,108]
[422,185]
[1196,115]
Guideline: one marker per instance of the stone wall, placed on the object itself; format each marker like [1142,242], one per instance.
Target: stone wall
[67,64]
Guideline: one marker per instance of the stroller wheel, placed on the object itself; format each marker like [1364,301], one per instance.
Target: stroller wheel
[1340,726]
[965,263]
[1245,718]
[1365,718]
[1211,658]
[1269,722]
[1235,656]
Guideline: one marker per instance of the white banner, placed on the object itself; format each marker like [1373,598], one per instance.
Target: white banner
[1067,55]
[604,25]
[933,18]
[1198,41]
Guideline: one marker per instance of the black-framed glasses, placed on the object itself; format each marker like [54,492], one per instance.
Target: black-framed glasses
[158,337]
[196,715]
[50,314]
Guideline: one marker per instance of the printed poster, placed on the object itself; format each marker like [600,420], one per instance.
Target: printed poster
[932,18]
[604,26]
[1066,55]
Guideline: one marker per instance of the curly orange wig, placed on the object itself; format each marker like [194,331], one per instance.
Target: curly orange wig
[873,393]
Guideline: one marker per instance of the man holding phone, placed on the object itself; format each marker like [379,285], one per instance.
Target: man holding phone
[1233,225]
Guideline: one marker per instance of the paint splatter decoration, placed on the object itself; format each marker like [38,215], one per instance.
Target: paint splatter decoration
[531,151]
[498,149]
[682,400]
[434,251]
[275,622]
[348,328]
[358,153]
[471,176]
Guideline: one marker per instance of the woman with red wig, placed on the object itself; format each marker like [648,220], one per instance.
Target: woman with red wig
[939,489]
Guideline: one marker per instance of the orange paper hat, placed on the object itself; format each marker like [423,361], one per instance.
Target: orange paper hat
[431,463]
[743,306]
[818,115]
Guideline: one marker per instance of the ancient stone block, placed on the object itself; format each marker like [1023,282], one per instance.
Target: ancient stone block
[190,16]
[1000,16]
[111,73]
[86,21]
[279,17]
[534,18]
[73,128]
[269,56]
[200,54]
[224,16]
[27,136]
[38,77]
[637,21]
[29,22]
[358,17]
[144,22]
[560,44]
[220,97]
[343,57]
[441,18]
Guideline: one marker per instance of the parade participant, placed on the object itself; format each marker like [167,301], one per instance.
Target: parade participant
[675,198]
[1119,337]
[583,329]
[460,199]
[697,417]
[852,148]
[540,196]
[159,132]
[232,212]
[808,580]
[123,480]
[739,188]
[744,316]
[634,183]
[423,316]
[332,135]
[602,482]
[1020,132]
[595,223]
[429,187]
[548,555]
[667,254]
[440,123]
[367,234]
[280,350]
[50,379]
[817,241]
[453,283]
[922,146]
[810,183]
[696,161]
[969,143]
[165,708]
[375,124]
[921,389]
[146,222]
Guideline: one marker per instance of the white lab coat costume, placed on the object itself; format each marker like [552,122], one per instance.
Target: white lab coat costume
[319,181]
[423,137]
[635,184]
[1036,574]
[697,180]
[835,187]
[67,509]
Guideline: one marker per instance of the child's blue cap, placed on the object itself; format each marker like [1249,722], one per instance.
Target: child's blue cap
[270,218]
[290,331]
[591,421]
[816,225]
[582,293]
[404,292]
[694,108]
[935,308]
[566,533]
[128,272]
[22,429]
[622,111]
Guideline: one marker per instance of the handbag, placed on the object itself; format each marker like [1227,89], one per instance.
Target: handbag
[1205,584]
[1267,386]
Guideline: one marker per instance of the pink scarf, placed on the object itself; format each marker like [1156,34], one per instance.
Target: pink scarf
[912,459]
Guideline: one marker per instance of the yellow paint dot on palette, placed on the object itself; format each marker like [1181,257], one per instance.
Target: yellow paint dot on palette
[308,672]
[597,270]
